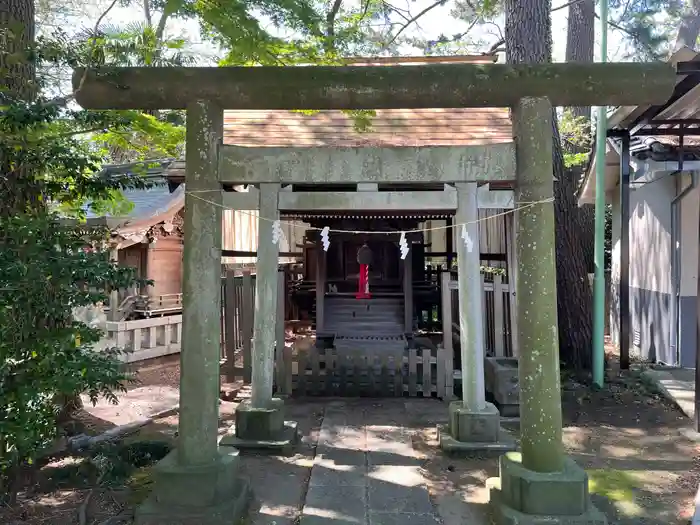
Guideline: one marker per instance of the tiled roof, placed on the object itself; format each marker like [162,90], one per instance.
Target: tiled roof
[403,127]
[147,202]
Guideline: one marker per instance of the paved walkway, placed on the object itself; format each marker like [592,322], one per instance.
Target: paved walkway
[366,472]
[676,384]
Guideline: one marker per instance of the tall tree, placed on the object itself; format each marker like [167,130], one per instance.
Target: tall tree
[689,27]
[17,83]
[528,38]
[580,41]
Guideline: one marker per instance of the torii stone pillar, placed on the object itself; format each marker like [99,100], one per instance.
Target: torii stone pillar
[541,485]
[198,482]
[260,423]
[474,424]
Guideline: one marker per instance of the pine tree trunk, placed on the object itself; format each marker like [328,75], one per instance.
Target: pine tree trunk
[529,40]
[580,41]
[689,28]
[17,81]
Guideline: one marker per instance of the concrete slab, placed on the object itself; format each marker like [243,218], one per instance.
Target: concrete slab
[402,518]
[389,497]
[370,470]
[676,384]
[328,520]
[341,500]
[335,477]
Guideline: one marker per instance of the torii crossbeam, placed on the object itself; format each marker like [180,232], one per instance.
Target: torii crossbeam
[199,481]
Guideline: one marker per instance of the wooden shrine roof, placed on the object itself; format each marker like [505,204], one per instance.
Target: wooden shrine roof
[403,127]
[398,127]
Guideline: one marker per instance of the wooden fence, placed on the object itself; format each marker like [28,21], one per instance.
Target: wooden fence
[328,372]
[498,300]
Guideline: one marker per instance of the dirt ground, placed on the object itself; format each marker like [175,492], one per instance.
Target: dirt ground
[642,469]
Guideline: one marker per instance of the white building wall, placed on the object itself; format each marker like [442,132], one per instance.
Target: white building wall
[650,267]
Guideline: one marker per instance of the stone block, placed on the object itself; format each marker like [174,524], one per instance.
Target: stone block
[213,493]
[501,379]
[522,496]
[481,426]
[261,428]
[502,514]
[452,446]
[260,423]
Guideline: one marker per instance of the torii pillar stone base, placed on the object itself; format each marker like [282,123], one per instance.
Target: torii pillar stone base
[214,493]
[474,432]
[520,496]
[262,429]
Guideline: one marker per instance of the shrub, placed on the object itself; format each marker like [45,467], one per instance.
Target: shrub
[45,354]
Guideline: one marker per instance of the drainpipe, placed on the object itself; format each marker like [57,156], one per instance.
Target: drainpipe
[599,247]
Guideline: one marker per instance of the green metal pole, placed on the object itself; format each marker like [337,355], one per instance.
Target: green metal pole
[599,252]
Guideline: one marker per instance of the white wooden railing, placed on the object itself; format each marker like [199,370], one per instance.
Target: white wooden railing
[145,338]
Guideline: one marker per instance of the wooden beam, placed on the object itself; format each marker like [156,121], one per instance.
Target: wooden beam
[375,87]
[493,162]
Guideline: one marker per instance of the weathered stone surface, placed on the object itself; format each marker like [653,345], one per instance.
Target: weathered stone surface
[401,165]
[208,493]
[376,87]
[401,518]
[261,428]
[393,497]
[501,374]
[452,446]
[564,492]
[474,426]
[260,423]
[538,365]
[503,515]
[348,501]
[522,496]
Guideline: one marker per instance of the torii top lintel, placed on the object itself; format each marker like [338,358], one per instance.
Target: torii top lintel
[376,87]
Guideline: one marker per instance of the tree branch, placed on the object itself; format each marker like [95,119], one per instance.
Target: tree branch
[147,12]
[413,20]
[567,4]
[94,34]
[330,25]
[628,33]
[171,7]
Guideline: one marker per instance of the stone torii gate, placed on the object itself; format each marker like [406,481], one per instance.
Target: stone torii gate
[199,481]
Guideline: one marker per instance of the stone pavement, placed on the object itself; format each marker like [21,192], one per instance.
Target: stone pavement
[366,471]
[676,384]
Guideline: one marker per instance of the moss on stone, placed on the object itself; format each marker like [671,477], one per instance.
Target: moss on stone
[377,87]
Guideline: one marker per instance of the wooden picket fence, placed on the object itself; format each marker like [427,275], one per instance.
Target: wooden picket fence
[237,321]
[498,307]
[413,373]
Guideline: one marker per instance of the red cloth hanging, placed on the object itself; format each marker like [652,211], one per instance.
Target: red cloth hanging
[363,283]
